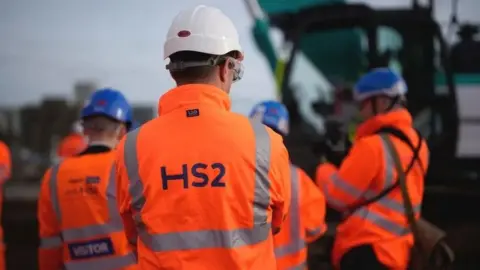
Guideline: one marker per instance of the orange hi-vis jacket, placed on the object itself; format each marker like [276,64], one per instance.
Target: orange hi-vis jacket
[304,224]
[71,145]
[367,171]
[204,187]
[80,227]
[5,174]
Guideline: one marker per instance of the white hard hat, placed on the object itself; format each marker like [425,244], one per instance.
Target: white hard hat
[202,29]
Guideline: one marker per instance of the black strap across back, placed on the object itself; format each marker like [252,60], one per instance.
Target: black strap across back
[416,151]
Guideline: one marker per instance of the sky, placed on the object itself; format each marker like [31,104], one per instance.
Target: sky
[46,46]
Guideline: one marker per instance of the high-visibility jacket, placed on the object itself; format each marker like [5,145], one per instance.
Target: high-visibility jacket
[5,174]
[79,224]
[304,224]
[205,186]
[366,172]
[71,145]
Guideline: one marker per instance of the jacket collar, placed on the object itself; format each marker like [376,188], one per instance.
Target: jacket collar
[193,94]
[399,118]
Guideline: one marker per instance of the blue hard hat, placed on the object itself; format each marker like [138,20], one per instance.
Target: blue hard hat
[110,103]
[272,114]
[379,82]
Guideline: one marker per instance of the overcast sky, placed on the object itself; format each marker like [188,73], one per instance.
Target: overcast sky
[47,45]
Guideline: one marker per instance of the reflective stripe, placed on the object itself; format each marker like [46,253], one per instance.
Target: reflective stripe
[205,238]
[50,242]
[386,202]
[314,231]
[116,262]
[296,242]
[73,234]
[54,192]
[113,225]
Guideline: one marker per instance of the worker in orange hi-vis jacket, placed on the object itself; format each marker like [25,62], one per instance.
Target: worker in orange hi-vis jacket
[204,188]
[375,233]
[306,220]
[79,223]
[73,144]
[5,174]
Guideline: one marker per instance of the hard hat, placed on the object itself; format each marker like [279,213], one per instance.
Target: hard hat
[272,114]
[110,103]
[202,29]
[379,82]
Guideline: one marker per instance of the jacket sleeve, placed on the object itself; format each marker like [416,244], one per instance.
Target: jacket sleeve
[345,186]
[280,180]
[50,251]
[312,208]
[123,197]
[5,163]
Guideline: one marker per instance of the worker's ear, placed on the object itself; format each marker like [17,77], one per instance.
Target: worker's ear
[121,132]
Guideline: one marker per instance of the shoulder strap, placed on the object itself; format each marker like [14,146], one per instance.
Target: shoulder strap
[404,138]
[409,213]
[416,150]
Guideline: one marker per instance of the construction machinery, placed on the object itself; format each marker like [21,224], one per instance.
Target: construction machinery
[328,44]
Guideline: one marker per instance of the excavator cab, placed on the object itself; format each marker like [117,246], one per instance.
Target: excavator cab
[327,47]
[407,40]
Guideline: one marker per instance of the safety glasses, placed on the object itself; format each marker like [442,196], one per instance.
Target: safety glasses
[237,68]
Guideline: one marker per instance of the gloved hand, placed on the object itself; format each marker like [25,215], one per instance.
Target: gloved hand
[336,142]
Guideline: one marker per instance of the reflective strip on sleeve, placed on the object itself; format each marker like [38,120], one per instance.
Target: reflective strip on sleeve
[296,243]
[205,238]
[314,231]
[91,231]
[115,262]
[50,242]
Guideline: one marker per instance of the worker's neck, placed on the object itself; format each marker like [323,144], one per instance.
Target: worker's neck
[110,143]
[207,82]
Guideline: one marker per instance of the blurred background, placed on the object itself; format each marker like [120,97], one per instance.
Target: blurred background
[307,53]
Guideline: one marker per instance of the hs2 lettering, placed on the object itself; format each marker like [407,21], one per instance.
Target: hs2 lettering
[198,171]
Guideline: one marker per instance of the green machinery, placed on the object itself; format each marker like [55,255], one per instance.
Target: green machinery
[327,45]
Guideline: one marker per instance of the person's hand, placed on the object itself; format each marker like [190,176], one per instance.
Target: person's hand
[335,142]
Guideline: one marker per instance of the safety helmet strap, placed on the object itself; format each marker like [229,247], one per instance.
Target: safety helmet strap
[373,102]
[216,60]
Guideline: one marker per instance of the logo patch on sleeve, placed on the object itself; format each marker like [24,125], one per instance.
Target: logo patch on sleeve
[91,249]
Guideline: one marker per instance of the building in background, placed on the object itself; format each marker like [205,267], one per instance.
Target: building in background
[34,130]
[82,90]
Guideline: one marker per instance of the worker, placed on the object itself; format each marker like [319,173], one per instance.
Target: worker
[306,220]
[79,223]
[5,174]
[73,144]
[375,233]
[204,187]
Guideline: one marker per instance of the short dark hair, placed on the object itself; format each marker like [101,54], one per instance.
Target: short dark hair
[100,123]
[192,74]
[197,74]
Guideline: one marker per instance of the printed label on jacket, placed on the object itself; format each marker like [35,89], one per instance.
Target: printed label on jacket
[91,249]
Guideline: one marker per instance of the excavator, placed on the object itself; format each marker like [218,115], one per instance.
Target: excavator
[326,45]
